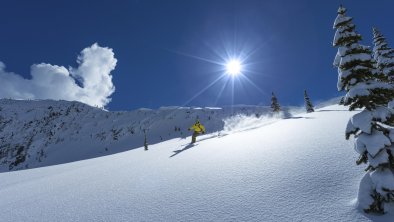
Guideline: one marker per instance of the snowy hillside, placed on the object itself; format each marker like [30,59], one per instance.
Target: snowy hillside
[295,169]
[42,133]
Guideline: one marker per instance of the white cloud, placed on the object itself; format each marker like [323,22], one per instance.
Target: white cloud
[57,82]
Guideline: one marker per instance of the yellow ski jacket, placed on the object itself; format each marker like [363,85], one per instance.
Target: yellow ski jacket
[198,128]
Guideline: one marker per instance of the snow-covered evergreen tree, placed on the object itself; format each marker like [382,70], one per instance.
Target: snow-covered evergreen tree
[358,76]
[274,103]
[356,67]
[308,104]
[383,54]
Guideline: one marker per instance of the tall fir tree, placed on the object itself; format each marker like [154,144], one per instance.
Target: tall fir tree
[274,103]
[308,104]
[359,78]
[345,35]
[383,54]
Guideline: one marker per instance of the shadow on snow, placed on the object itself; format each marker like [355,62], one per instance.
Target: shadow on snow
[176,152]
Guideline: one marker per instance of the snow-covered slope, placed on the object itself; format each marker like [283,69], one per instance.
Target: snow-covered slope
[42,133]
[295,169]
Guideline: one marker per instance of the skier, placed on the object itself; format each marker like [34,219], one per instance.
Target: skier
[198,129]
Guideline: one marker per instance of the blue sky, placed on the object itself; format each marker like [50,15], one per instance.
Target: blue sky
[162,47]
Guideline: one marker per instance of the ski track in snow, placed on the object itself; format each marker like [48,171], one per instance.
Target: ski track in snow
[296,169]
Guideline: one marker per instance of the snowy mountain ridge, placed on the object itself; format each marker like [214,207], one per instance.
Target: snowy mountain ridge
[46,132]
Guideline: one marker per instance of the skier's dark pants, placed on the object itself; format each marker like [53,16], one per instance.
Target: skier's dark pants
[194,136]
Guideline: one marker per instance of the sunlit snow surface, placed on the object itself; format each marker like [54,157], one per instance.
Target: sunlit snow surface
[295,169]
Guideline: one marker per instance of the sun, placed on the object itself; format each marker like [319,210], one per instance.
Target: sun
[234,67]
